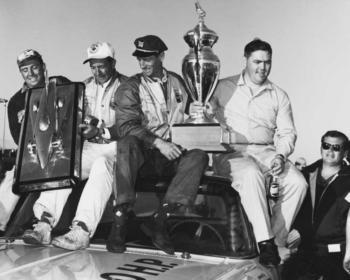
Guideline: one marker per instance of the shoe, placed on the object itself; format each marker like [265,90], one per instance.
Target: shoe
[268,253]
[116,240]
[160,237]
[156,229]
[40,235]
[77,238]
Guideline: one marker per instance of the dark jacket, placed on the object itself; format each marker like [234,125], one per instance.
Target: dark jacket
[326,224]
[131,118]
[17,104]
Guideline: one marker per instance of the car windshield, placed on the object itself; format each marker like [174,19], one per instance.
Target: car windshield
[215,225]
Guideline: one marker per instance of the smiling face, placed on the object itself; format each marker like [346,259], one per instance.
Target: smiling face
[32,72]
[333,150]
[152,66]
[258,66]
[102,69]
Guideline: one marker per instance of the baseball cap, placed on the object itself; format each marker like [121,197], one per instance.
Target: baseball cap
[100,50]
[28,55]
[149,45]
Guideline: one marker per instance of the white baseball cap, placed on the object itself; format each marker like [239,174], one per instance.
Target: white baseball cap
[100,50]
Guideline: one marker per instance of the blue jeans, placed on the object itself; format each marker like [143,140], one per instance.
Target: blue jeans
[133,160]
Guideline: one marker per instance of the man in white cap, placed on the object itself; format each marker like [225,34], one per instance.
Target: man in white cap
[97,160]
[32,68]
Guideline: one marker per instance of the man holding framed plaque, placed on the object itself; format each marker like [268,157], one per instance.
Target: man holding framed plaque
[98,157]
[258,125]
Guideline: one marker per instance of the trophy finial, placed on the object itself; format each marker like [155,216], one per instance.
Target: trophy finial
[201,13]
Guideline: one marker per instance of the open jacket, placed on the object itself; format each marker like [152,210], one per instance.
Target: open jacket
[17,104]
[326,223]
[138,110]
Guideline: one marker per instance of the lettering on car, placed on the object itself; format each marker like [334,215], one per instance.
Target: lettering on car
[134,270]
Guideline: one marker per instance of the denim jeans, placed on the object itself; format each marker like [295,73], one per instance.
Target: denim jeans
[133,160]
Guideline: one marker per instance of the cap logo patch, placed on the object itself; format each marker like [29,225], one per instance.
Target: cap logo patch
[140,44]
[25,54]
[94,48]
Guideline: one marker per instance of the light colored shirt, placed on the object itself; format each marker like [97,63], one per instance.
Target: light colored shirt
[264,117]
[98,108]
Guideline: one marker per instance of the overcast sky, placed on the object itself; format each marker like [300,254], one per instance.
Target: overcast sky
[310,41]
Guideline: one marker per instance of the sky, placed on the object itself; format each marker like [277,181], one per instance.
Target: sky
[310,41]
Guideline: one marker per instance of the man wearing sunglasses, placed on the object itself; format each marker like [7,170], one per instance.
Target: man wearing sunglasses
[324,218]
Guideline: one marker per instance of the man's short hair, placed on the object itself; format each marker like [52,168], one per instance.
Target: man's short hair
[337,134]
[257,45]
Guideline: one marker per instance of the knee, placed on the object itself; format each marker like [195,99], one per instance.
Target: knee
[252,171]
[199,157]
[300,185]
[127,141]
[102,163]
[296,183]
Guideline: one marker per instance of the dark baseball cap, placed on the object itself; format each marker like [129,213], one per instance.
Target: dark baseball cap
[149,45]
[27,55]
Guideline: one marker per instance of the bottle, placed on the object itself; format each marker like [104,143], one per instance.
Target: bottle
[274,188]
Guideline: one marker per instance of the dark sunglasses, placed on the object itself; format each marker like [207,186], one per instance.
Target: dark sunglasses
[335,147]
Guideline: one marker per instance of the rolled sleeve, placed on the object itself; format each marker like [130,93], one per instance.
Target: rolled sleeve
[286,135]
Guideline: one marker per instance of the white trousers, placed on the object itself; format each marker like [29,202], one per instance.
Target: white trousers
[248,167]
[97,165]
[8,199]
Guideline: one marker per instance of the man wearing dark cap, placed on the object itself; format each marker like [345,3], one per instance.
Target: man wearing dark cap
[98,158]
[32,69]
[148,104]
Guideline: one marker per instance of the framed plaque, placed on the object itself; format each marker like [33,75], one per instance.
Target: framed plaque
[50,147]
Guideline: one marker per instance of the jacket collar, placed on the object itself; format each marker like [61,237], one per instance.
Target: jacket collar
[344,171]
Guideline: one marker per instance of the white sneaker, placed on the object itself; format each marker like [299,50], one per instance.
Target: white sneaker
[77,238]
[40,235]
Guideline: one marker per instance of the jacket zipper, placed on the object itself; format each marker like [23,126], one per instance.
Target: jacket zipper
[322,194]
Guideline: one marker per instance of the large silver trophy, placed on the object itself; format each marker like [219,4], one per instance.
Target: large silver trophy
[200,69]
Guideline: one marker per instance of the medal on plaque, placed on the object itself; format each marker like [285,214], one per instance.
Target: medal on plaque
[200,70]
[49,152]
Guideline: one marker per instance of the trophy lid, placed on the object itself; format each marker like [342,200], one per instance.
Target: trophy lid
[200,35]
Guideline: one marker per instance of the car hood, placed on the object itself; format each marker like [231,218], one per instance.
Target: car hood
[22,261]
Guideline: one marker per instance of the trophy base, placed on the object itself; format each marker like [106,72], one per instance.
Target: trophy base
[204,136]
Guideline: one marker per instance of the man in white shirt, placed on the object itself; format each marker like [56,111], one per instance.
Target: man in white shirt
[258,122]
[97,159]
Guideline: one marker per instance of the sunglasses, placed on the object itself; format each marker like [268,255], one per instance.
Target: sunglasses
[335,147]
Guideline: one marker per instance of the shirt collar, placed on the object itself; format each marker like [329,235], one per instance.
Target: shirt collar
[24,88]
[266,85]
[161,81]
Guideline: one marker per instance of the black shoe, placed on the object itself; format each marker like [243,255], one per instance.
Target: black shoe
[156,229]
[268,253]
[116,239]
[159,235]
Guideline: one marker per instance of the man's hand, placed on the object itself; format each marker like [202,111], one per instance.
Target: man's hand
[89,131]
[20,116]
[277,165]
[168,149]
[196,109]
[346,263]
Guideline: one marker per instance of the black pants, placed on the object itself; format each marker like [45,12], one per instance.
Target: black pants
[133,160]
[309,266]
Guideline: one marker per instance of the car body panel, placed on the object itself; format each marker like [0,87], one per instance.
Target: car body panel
[22,261]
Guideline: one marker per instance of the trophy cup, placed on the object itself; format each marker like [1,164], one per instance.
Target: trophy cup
[200,69]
